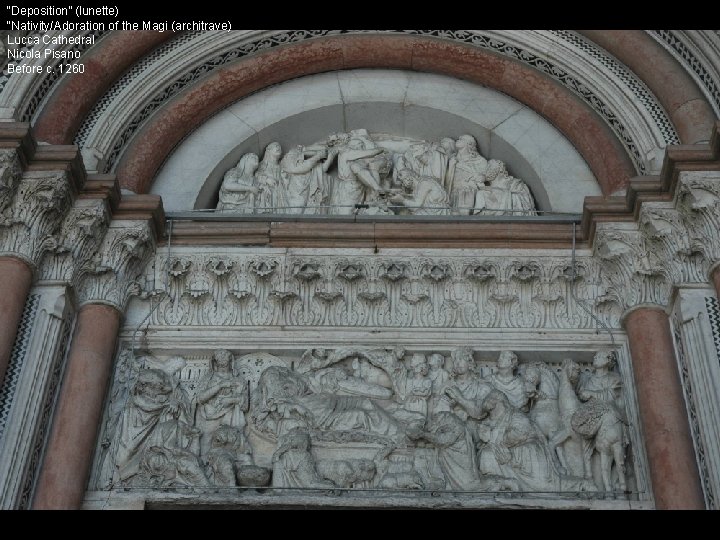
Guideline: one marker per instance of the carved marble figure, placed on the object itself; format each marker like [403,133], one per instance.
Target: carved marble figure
[508,382]
[229,451]
[512,446]
[157,414]
[502,194]
[294,464]
[602,416]
[269,178]
[222,398]
[306,186]
[427,197]
[466,172]
[358,173]
[439,378]
[238,190]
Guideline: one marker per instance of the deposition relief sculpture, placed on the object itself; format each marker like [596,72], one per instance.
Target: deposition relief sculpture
[364,417]
[357,172]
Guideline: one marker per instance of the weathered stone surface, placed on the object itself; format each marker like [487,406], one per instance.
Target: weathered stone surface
[362,417]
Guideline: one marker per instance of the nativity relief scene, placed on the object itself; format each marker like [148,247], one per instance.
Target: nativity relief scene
[376,174]
[363,418]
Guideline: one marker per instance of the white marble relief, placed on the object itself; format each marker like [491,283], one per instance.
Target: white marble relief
[397,291]
[359,172]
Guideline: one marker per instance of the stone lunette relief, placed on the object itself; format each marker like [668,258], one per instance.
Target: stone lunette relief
[357,172]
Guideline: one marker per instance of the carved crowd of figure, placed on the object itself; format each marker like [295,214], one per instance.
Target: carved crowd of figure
[370,418]
[351,172]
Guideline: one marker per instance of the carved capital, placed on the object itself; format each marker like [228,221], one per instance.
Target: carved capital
[10,174]
[35,214]
[634,273]
[666,236]
[77,241]
[698,201]
[111,277]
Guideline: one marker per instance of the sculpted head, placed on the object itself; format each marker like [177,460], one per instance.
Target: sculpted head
[273,150]
[604,358]
[226,437]
[398,352]
[356,144]
[436,360]
[153,383]
[248,164]
[222,360]
[507,359]
[448,145]
[532,375]
[407,178]
[337,139]
[495,169]
[298,439]
[466,142]
[462,359]
[418,364]
[572,369]
[494,400]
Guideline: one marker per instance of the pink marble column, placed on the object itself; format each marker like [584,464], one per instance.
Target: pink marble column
[673,469]
[69,454]
[715,277]
[15,281]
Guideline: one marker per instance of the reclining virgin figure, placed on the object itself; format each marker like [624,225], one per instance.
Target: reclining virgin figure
[284,400]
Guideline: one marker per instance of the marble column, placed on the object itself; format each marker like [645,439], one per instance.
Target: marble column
[37,376]
[673,469]
[16,278]
[70,448]
[715,278]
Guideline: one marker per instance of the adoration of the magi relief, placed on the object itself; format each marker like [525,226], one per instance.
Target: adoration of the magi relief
[367,418]
[380,174]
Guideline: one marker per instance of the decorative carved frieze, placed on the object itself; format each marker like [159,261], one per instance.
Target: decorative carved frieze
[388,291]
[35,214]
[112,275]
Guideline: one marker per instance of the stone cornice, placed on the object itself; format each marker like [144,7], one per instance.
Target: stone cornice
[60,157]
[679,158]
[143,208]
[67,159]
[331,233]
[102,186]
[39,157]
[71,227]
[16,135]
